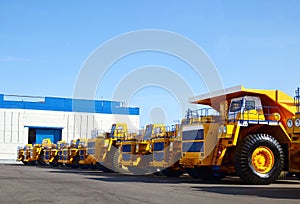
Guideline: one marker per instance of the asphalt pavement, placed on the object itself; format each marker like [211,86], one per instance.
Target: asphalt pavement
[31,184]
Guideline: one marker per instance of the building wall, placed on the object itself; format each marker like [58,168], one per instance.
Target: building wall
[15,123]
[75,117]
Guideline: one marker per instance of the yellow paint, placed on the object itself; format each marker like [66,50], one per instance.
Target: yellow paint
[251,115]
[236,134]
[263,159]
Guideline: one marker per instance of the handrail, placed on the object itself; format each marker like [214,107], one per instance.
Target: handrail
[261,113]
[201,113]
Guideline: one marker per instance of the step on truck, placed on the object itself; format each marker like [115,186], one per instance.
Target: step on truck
[255,134]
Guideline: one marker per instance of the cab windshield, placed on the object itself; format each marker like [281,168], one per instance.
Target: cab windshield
[113,128]
[148,132]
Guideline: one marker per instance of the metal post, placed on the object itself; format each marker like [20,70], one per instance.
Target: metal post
[297,99]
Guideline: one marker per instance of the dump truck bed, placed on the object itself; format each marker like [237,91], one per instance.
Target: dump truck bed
[271,98]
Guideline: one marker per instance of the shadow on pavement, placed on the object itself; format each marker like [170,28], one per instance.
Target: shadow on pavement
[266,192]
[99,175]
[150,178]
[227,186]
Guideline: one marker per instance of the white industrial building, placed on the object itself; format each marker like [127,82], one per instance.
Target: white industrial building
[30,119]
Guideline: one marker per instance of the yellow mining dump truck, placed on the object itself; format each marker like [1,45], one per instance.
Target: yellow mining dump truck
[64,153]
[20,153]
[75,151]
[48,157]
[136,152]
[103,151]
[26,157]
[61,146]
[293,129]
[254,136]
[95,145]
[87,155]
[70,153]
[167,152]
[51,153]
[37,152]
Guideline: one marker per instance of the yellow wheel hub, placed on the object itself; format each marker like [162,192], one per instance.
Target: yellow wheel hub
[263,159]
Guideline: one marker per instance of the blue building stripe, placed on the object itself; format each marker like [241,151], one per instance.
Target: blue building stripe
[71,105]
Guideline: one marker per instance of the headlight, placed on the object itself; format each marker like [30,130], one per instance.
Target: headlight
[220,129]
[297,122]
[225,129]
[289,123]
[171,146]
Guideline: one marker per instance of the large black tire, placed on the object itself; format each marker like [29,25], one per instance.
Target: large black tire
[25,163]
[244,166]
[117,167]
[205,173]
[54,163]
[40,160]
[111,163]
[106,169]
[103,168]
[75,163]
[172,172]
[33,163]
[143,166]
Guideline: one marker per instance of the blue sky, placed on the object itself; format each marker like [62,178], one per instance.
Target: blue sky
[44,44]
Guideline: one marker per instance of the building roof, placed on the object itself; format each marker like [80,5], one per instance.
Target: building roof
[65,104]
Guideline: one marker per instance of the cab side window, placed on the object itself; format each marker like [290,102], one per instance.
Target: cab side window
[236,106]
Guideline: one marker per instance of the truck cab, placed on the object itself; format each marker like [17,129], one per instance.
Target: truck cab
[245,108]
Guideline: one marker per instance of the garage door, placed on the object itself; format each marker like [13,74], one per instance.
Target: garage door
[53,134]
